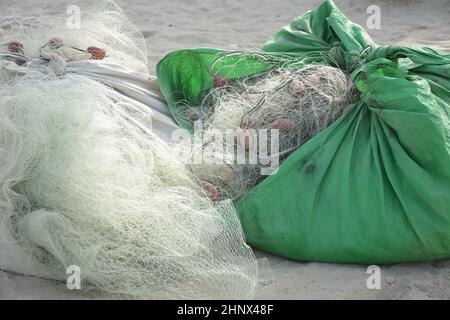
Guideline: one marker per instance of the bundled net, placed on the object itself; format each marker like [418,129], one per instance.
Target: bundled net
[297,103]
[84,185]
[85,182]
[103,26]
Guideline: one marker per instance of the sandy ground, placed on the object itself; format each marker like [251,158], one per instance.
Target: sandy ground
[235,24]
[283,280]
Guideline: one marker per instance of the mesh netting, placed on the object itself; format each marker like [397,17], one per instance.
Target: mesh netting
[297,103]
[83,185]
[102,25]
[84,182]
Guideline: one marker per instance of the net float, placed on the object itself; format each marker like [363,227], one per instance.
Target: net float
[96,53]
[314,79]
[55,43]
[211,191]
[194,116]
[221,82]
[15,47]
[297,87]
[283,124]
[273,110]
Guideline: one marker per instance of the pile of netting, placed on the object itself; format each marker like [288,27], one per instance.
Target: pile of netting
[298,104]
[77,35]
[85,182]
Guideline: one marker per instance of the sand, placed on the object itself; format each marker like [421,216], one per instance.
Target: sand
[234,25]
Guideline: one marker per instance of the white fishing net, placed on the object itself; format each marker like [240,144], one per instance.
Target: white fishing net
[298,103]
[100,23]
[83,181]
[81,184]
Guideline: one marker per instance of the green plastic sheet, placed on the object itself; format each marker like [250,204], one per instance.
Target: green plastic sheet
[374,187]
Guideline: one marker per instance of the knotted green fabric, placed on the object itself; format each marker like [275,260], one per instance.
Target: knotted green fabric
[374,187]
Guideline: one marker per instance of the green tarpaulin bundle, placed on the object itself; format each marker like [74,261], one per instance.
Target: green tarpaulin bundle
[374,187]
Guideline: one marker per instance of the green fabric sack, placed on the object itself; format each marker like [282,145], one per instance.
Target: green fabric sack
[374,187]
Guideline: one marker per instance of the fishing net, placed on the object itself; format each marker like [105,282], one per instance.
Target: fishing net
[85,182]
[297,103]
[372,187]
[84,185]
[102,25]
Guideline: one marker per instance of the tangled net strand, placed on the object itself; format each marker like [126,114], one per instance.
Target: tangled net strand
[298,102]
[83,181]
